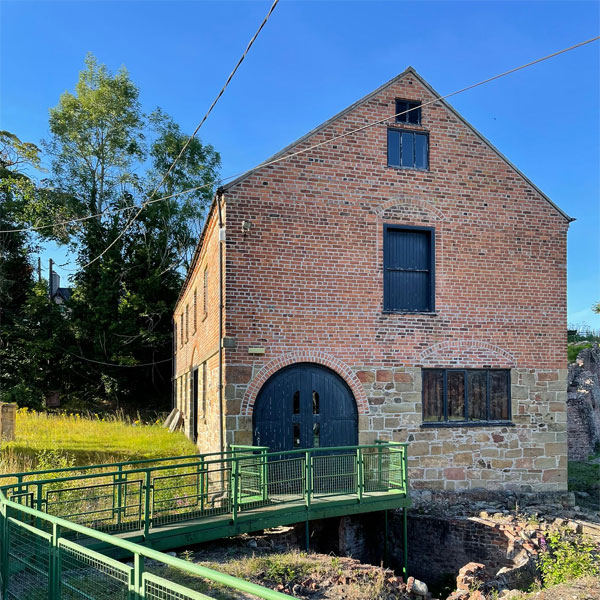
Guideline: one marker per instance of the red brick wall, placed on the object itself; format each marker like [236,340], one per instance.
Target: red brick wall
[200,346]
[307,280]
[309,272]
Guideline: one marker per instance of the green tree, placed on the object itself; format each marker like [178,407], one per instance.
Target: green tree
[107,157]
[30,326]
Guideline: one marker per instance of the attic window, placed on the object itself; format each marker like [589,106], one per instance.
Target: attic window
[408,149]
[413,116]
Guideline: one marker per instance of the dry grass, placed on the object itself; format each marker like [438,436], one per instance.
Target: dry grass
[86,439]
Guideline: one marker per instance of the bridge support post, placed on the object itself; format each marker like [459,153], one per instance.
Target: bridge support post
[307,535]
[385,537]
[405,542]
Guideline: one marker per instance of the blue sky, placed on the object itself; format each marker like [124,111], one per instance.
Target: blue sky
[315,58]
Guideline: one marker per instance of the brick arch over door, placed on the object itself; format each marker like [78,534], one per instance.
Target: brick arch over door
[307,356]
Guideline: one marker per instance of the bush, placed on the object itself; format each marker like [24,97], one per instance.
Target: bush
[565,556]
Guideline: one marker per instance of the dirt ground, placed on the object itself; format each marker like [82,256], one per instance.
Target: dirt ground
[276,562]
[262,560]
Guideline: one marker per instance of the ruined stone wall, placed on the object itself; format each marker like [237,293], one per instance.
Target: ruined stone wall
[583,404]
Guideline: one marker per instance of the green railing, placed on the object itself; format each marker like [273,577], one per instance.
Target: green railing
[134,498]
[49,517]
[40,561]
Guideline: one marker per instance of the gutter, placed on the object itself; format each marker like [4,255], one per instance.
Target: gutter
[218,197]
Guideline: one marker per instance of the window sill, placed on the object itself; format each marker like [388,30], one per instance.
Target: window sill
[401,168]
[410,312]
[433,425]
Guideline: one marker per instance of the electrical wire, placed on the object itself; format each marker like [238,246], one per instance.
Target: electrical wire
[221,92]
[99,362]
[319,144]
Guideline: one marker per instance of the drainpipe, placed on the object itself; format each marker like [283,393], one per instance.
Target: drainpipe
[218,197]
[173,363]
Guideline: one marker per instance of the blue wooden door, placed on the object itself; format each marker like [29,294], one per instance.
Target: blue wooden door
[305,406]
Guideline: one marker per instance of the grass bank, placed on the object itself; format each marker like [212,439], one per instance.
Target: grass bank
[72,440]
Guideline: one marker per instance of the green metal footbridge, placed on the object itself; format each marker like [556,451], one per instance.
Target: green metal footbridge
[96,532]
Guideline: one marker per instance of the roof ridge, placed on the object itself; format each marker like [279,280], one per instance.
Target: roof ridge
[409,70]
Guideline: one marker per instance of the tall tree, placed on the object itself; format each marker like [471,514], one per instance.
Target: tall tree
[107,157]
[31,327]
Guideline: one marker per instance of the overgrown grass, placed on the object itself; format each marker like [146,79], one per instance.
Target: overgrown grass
[282,571]
[585,477]
[87,439]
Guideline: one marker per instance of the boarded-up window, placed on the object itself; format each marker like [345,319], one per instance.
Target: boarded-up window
[187,322]
[465,395]
[205,292]
[499,385]
[477,396]
[195,317]
[408,269]
[455,395]
[433,395]
[204,388]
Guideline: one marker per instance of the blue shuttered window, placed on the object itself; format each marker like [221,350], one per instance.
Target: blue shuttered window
[408,149]
[408,269]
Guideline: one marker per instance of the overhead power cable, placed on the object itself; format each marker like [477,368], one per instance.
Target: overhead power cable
[319,144]
[99,362]
[183,149]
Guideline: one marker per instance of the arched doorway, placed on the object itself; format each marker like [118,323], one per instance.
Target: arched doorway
[305,405]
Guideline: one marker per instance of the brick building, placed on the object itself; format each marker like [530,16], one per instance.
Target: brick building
[405,282]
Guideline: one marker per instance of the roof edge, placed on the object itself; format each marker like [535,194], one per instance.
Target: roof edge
[412,71]
[318,128]
[492,147]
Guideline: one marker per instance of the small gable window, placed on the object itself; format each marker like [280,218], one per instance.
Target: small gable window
[408,269]
[408,112]
[408,149]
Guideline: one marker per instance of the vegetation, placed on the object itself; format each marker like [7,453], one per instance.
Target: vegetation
[289,572]
[567,556]
[47,441]
[110,347]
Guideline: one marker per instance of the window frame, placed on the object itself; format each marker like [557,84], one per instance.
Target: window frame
[467,422]
[205,293]
[418,104]
[414,132]
[187,323]
[431,230]
[195,312]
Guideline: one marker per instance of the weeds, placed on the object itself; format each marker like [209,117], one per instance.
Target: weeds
[566,556]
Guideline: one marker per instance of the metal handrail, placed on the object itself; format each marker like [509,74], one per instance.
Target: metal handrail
[136,550]
[242,480]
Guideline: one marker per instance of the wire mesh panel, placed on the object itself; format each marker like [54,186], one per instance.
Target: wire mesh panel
[29,557]
[396,469]
[334,474]
[86,575]
[191,493]
[384,469]
[112,505]
[252,485]
[157,588]
[286,478]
